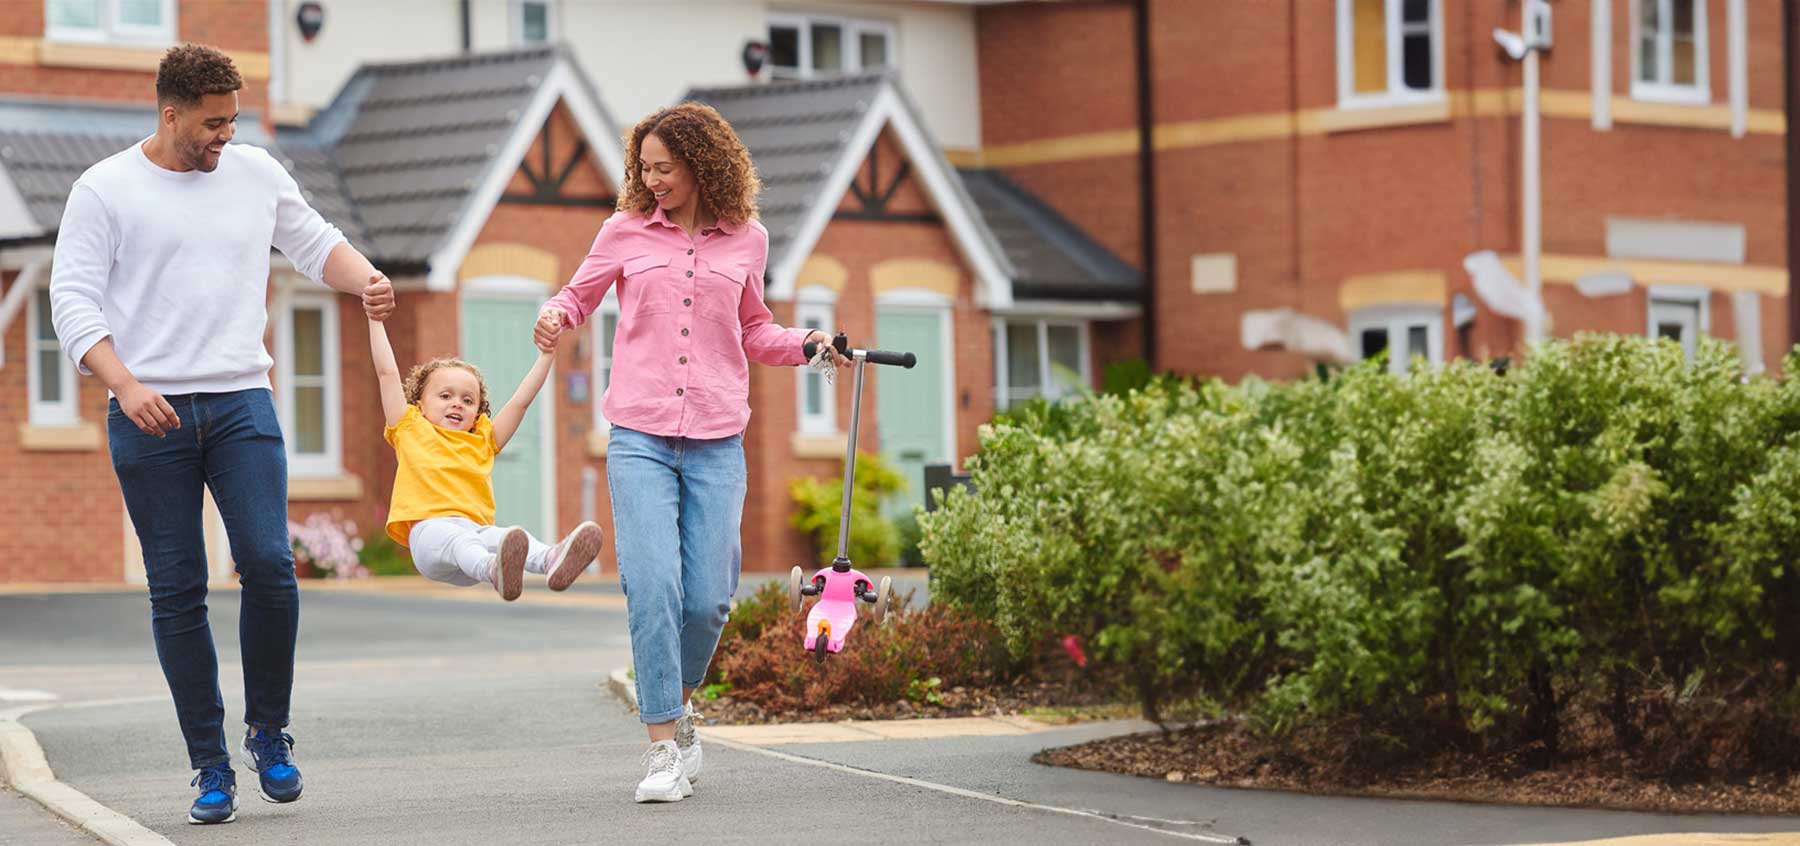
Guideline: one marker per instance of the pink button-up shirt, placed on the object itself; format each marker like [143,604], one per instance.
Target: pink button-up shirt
[691,316]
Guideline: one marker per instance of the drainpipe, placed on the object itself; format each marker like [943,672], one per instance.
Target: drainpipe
[1146,173]
[1790,54]
[467,42]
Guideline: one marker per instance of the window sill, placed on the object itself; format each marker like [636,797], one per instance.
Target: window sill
[340,488]
[1671,95]
[133,56]
[597,439]
[1677,113]
[819,446]
[80,436]
[1377,114]
[100,55]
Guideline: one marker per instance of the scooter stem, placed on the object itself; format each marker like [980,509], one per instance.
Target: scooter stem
[843,550]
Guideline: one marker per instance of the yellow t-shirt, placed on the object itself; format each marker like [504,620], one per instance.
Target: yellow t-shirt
[442,473]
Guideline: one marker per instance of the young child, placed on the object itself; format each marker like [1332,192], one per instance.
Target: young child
[443,502]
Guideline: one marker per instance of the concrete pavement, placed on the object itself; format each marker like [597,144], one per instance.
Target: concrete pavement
[443,716]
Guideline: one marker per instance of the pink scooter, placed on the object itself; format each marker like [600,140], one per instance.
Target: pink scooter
[840,586]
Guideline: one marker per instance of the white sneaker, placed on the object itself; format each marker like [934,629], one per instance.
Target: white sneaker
[663,781]
[688,743]
[572,556]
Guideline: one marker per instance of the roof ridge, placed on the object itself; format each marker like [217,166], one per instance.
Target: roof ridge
[790,86]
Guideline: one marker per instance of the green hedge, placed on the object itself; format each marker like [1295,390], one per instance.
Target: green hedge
[1452,552]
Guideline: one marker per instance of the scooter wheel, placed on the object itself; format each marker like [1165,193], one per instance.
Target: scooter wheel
[820,645]
[883,598]
[795,580]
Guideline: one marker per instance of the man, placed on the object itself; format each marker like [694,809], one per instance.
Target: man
[158,288]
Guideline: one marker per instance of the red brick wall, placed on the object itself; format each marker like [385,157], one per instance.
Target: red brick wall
[61,516]
[1036,58]
[770,542]
[234,25]
[1303,213]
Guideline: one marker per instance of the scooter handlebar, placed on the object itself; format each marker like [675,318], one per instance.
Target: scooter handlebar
[896,359]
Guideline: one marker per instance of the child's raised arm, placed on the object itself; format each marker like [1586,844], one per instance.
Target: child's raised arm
[507,420]
[387,374]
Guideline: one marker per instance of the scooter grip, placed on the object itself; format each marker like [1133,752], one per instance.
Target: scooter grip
[899,359]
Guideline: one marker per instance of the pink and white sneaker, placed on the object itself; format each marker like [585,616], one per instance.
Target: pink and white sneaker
[509,564]
[573,554]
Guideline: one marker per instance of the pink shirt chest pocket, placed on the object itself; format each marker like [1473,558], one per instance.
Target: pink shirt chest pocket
[718,291]
[647,286]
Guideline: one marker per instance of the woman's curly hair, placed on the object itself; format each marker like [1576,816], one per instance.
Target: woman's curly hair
[415,381]
[699,138]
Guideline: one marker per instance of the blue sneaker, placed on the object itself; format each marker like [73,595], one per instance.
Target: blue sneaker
[272,759]
[218,796]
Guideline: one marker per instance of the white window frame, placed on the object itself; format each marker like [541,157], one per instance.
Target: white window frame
[1003,399]
[66,411]
[1662,90]
[328,464]
[111,30]
[1397,93]
[1398,321]
[817,304]
[602,355]
[853,30]
[517,13]
[1680,302]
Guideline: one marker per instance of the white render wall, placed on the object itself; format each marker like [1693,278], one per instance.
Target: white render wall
[642,54]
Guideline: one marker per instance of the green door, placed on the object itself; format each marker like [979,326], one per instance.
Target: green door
[496,335]
[911,410]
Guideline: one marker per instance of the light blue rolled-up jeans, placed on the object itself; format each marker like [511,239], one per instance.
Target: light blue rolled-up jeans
[677,505]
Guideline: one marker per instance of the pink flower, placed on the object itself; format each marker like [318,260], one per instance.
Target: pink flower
[1072,645]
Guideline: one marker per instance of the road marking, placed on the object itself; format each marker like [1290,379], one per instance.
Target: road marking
[620,683]
[11,694]
[23,766]
[1115,819]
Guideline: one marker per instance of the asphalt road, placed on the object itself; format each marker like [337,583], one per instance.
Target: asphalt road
[455,718]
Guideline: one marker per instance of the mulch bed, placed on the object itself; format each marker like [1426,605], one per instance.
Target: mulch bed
[956,702]
[1227,755]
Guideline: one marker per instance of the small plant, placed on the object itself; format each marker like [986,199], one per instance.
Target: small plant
[327,547]
[925,691]
[381,556]
[874,541]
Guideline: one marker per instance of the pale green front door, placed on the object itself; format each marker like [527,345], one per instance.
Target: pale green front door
[911,403]
[496,336]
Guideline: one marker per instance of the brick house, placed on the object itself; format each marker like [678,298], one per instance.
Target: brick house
[1337,168]
[477,183]
[874,233]
[76,81]
[474,182]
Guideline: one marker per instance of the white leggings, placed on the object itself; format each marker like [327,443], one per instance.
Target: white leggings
[460,551]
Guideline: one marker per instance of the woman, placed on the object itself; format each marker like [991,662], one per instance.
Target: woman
[687,254]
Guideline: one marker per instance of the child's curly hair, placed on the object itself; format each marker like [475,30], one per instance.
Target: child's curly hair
[415,381]
[699,138]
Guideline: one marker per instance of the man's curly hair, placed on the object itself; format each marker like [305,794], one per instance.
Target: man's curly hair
[415,381]
[191,71]
[698,137]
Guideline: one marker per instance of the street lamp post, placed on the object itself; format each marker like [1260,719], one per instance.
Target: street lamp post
[1535,24]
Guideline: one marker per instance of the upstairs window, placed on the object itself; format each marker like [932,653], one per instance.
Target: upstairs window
[807,46]
[147,22]
[1389,50]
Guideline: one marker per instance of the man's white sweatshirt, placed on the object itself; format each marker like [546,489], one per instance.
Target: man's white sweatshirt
[174,266]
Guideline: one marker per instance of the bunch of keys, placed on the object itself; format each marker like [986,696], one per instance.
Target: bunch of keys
[825,364]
